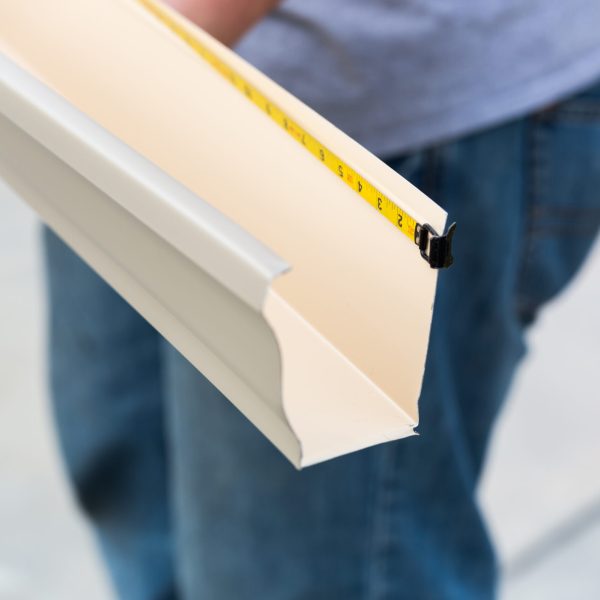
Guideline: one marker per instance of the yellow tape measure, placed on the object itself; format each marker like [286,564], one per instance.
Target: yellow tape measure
[434,248]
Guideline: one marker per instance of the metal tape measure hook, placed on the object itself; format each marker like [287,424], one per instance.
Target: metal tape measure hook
[435,249]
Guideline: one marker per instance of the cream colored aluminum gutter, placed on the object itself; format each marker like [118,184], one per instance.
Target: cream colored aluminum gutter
[305,307]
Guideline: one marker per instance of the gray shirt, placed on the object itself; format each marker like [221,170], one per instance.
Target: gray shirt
[401,74]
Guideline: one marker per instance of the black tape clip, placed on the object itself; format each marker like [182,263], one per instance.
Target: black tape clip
[435,249]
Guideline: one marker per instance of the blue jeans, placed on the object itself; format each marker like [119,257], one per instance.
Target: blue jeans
[189,500]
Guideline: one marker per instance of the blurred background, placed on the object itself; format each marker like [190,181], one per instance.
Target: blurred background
[541,489]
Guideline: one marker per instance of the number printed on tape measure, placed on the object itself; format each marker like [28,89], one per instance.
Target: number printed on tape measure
[379,201]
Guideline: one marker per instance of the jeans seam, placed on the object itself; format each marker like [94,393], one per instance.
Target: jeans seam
[569,210]
[571,114]
[560,232]
[378,554]
[431,172]
[531,189]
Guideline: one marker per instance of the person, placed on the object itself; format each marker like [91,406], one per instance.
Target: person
[493,110]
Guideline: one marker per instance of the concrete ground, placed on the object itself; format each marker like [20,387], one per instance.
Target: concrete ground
[541,490]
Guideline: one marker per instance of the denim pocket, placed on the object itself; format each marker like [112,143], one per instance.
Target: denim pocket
[563,174]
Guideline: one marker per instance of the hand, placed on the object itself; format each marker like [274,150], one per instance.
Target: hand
[227,20]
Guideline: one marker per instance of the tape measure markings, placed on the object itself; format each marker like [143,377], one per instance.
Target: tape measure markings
[366,190]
